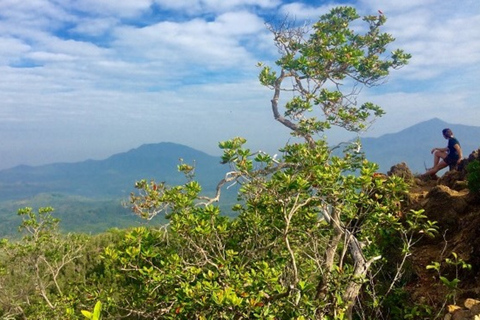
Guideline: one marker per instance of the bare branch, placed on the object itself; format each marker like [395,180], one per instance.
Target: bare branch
[229,177]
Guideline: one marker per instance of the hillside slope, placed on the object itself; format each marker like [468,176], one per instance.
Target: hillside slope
[457,212]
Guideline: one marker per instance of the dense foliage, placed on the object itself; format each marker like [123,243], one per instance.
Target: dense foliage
[473,176]
[317,236]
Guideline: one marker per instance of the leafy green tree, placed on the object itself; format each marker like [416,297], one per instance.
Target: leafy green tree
[50,275]
[36,269]
[317,70]
[325,71]
[318,235]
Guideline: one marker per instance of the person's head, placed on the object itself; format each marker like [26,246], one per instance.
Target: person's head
[447,133]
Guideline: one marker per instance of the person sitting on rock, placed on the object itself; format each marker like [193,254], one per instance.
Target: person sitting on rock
[443,157]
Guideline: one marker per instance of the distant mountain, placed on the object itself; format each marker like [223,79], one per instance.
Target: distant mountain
[413,145]
[113,177]
[87,196]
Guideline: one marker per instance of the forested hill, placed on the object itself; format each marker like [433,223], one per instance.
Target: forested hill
[413,145]
[112,177]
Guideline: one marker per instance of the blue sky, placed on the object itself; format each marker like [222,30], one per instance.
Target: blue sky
[84,79]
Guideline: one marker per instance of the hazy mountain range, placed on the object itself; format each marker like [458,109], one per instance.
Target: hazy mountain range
[87,195]
[112,177]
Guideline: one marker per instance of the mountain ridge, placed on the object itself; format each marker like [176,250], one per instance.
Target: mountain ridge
[88,196]
[114,176]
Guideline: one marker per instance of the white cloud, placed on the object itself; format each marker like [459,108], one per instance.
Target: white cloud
[183,116]
[391,6]
[33,13]
[94,26]
[49,56]
[237,24]
[435,35]
[210,45]
[192,7]
[106,8]
[11,49]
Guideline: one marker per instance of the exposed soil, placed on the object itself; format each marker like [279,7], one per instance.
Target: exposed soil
[448,201]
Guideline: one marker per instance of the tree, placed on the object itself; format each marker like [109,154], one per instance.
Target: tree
[333,56]
[35,269]
[327,69]
[315,231]
[51,275]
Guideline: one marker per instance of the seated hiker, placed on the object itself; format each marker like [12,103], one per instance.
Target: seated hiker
[443,157]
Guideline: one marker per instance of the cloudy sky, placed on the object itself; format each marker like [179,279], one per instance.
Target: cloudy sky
[84,79]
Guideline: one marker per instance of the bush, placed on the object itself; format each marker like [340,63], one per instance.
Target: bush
[473,176]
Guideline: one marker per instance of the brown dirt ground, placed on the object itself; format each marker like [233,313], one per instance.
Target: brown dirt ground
[458,215]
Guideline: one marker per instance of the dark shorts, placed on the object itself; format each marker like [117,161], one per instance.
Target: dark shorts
[450,160]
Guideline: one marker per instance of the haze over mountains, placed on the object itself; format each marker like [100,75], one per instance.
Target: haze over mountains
[87,195]
[115,176]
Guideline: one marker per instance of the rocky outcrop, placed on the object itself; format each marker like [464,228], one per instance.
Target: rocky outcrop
[471,311]
[402,170]
[448,201]
[445,206]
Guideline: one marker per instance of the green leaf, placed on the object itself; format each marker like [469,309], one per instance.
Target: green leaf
[97,310]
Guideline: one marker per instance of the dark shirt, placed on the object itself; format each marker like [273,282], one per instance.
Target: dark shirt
[452,152]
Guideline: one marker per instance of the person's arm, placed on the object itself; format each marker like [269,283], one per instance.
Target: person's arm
[439,149]
[459,151]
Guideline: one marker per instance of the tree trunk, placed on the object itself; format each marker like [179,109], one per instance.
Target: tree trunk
[359,273]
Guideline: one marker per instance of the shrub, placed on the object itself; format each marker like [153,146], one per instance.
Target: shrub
[473,176]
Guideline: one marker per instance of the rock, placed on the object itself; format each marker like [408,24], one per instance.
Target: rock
[460,185]
[452,178]
[475,310]
[462,315]
[452,308]
[444,206]
[419,181]
[472,311]
[470,303]
[448,201]
[475,155]
[473,198]
[462,167]
[403,171]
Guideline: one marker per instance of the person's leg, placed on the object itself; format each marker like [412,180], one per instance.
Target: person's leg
[440,165]
[437,155]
